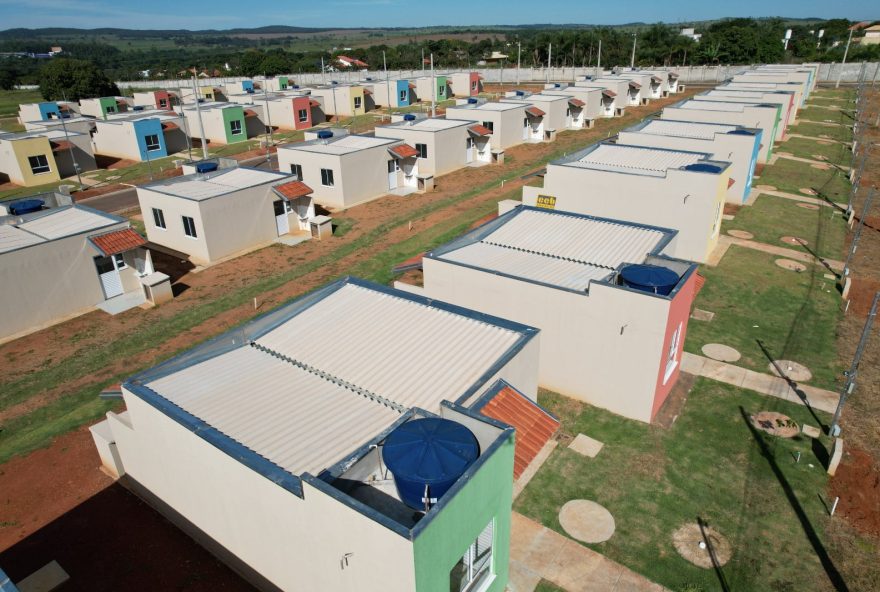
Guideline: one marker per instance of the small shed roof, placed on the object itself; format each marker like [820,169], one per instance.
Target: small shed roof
[403,151]
[535,112]
[292,190]
[480,130]
[118,241]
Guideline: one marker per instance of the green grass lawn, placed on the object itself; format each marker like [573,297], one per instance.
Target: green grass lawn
[794,315]
[790,176]
[710,465]
[11,99]
[26,191]
[770,218]
[803,148]
[809,113]
[815,130]
[833,93]
[10,124]
[545,586]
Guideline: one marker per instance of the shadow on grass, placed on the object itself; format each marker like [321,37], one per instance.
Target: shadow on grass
[792,384]
[812,536]
[722,581]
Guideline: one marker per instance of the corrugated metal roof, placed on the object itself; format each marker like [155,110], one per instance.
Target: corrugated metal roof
[714,106]
[198,186]
[686,129]
[295,418]
[636,159]
[12,238]
[65,222]
[405,351]
[341,145]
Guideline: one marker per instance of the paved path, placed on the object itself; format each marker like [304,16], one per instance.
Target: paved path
[801,198]
[537,552]
[766,384]
[725,240]
[815,139]
[788,156]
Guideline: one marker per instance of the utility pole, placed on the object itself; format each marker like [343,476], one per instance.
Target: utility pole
[599,60]
[518,59]
[549,60]
[857,236]
[845,53]
[323,72]
[199,116]
[850,383]
[632,59]
[433,89]
[70,146]
[387,82]
[269,121]
[423,61]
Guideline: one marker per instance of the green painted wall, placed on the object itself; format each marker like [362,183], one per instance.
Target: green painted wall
[441,88]
[231,114]
[488,494]
[775,131]
[107,102]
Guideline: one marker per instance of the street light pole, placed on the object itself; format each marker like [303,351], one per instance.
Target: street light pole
[842,63]
[632,59]
[518,59]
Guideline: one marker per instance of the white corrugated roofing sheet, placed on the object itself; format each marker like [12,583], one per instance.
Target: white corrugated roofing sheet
[636,159]
[65,222]
[405,351]
[199,187]
[342,145]
[685,129]
[293,417]
[714,106]
[12,238]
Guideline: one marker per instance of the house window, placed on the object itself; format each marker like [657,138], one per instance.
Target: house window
[189,227]
[119,260]
[39,164]
[235,127]
[474,570]
[327,177]
[403,95]
[302,115]
[422,150]
[473,85]
[152,141]
[111,109]
[297,171]
[163,103]
[357,102]
[159,218]
[672,354]
[490,125]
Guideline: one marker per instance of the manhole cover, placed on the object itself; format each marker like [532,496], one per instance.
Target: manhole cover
[776,424]
[808,206]
[704,547]
[793,240]
[586,521]
[792,370]
[721,352]
[741,234]
[791,265]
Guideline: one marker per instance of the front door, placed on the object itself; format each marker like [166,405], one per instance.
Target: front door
[393,167]
[526,128]
[282,223]
[469,156]
[111,283]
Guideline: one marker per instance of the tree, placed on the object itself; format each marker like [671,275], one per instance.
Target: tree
[70,79]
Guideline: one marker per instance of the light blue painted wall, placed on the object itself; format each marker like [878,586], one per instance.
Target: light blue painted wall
[144,128]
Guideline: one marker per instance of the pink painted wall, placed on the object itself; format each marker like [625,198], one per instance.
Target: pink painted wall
[301,103]
[162,94]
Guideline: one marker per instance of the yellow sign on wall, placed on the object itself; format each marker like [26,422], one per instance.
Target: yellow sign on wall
[546,201]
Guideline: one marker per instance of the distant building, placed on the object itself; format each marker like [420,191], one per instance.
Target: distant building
[872,36]
[689,32]
[347,62]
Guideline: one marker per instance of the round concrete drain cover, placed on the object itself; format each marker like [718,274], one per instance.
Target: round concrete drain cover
[819,157]
[586,521]
[721,352]
[741,234]
[704,547]
[807,206]
[807,191]
[793,240]
[791,265]
[792,370]
[776,424]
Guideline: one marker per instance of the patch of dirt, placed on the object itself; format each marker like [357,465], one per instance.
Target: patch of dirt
[861,295]
[791,265]
[704,547]
[807,206]
[793,240]
[731,209]
[674,403]
[741,234]
[857,483]
[775,424]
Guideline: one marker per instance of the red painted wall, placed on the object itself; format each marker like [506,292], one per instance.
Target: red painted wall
[162,94]
[301,103]
[679,313]
[475,77]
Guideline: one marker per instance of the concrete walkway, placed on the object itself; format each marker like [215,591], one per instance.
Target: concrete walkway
[725,240]
[537,552]
[801,198]
[825,123]
[766,384]
[788,156]
[816,139]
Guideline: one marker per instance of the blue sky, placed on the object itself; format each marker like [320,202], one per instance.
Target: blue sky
[224,14]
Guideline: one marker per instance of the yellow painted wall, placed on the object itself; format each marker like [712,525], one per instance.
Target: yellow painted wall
[32,147]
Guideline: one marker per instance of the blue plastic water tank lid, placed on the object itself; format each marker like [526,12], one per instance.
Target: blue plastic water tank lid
[703,167]
[520,93]
[295,86]
[325,134]
[409,117]
[472,101]
[206,167]
[25,206]
[649,275]
[430,450]
[137,108]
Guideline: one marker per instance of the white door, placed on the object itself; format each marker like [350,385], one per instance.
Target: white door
[526,128]
[469,156]
[411,172]
[538,129]
[111,283]
[392,174]
[282,222]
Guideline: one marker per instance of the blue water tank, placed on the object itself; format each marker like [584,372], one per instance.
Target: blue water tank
[520,93]
[137,108]
[249,91]
[428,456]
[703,167]
[25,206]
[295,86]
[649,278]
[206,167]
[325,134]
[409,117]
[472,101]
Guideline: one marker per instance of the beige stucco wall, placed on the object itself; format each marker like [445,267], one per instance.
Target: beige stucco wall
[49,281]
[212,119]
[173,236]
[14,161]
[656,201]
[583,352]
[508,125]
[296,543]
[592,97]
[620,87]
[781,100]
[116,139]
[238,221]
[447,149]
[759,117]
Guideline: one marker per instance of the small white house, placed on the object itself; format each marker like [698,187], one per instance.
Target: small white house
[442,145]
[219,214]
[785,99]
[586,104]
[617,94]
[511,123]
[558,114]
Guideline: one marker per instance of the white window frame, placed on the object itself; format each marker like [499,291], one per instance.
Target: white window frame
[489,125]
[111,109]
[232,124]
[163,103]
[302,115]
[192,225]
[672,353]
[119,261]
[482,578]
[422,149]
[327,178]
[159,219]
[296,171]
[152,147]
[40,169]
[358,101]
[403,95]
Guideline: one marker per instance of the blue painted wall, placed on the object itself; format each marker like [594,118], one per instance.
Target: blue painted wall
[47,108]
[402,85]
[754,162]
[144,128]
[247,85]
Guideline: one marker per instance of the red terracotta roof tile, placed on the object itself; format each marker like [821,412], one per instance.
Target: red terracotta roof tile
[293,189]
[168,125]
[576,102]
[367,91]
[634,84]
[250,113]
[480,130]
[535,112]
[533,425]
[59,145]
[403,151]
[730,182]
[118,241]
[609,93]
